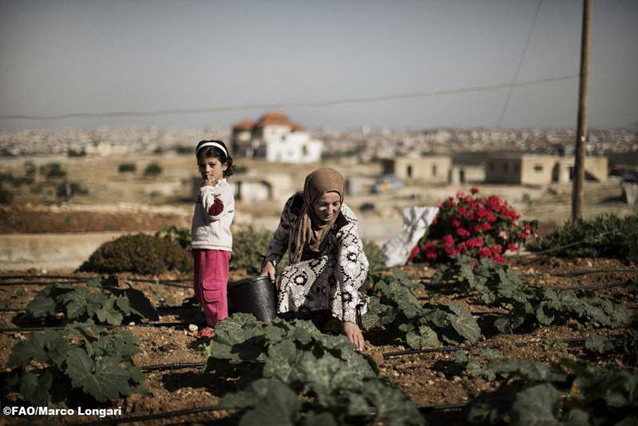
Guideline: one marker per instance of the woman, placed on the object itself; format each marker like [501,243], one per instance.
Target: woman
[327,263]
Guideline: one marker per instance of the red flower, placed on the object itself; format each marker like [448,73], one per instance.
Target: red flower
[512,246]
[455,223]
[413,253]
[498,259]
[462,232]
[448,240]
[486,226]
[474,190]
[485,252]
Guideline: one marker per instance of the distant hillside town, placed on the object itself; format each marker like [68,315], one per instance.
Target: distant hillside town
[276,138]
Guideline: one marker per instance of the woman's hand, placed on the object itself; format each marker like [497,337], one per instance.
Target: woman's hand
[268,270]
[353,333]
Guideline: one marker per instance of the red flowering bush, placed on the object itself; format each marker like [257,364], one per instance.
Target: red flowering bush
[479,227]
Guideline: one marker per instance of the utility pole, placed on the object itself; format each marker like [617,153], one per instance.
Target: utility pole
[578,195]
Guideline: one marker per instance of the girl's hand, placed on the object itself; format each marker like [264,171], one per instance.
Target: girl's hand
[353,333]
[208,181]
[268,270]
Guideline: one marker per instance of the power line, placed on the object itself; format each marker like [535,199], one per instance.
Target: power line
[413,95]
[520,65]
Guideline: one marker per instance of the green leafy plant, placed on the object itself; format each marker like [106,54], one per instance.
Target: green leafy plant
[393,307]
[52,367]
[181,236]
[375,256]
[607,235]
[625,344]
[97,302]
[577,395]
[301,377]
[474,366]
[500,286]
[140,253]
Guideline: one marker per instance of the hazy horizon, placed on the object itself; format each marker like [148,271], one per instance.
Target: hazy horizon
[406,65]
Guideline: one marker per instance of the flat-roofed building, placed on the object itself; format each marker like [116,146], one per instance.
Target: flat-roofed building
[434,168]
[529,169]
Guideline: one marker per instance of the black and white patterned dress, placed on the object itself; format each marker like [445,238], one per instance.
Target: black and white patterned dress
[329,281]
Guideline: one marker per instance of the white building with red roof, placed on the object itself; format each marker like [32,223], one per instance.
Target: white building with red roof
[275,138]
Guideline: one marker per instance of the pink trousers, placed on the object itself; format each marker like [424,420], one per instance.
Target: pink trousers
[210,281]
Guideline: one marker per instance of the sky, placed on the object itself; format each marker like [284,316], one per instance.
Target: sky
[335,64]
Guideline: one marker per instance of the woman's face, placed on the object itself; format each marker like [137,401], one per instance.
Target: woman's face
[211,168]
[327,206]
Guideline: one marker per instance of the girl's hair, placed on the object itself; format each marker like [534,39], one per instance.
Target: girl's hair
[216,149]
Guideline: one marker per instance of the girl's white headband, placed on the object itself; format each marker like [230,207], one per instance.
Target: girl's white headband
[215,144]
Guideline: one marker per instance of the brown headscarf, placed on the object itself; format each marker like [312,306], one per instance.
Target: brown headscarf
[312,230]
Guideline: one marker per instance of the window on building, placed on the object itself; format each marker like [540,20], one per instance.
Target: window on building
[516,167]
[538,167]
[506,167]
[434,170]
[409,171]
[491,166]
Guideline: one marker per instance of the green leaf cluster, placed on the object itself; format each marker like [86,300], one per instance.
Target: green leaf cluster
[607,235]
[97,302]
[176,234]
[500,286]
[297,376]
[53,366]
[577,395]
[475,366]
[393,307]
[625,344]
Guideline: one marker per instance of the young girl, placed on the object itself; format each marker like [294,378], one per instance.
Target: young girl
[212,241]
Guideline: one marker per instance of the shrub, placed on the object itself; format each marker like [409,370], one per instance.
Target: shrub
[70,189]
[127,168]
[5,196]
[469,225]
[375,256]
[153,169]
[249,248]
[142,254]
[52,170]
[606,235]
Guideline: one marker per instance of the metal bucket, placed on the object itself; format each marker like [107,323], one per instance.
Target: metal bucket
[254,295]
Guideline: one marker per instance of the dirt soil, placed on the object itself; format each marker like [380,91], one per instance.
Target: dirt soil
[421,376]
[74,218]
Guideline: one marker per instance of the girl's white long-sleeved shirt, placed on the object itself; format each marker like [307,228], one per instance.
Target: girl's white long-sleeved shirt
[213,214]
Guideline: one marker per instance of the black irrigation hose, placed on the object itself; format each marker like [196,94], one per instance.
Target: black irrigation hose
[159,308]
[205,409]
[107,326]
[178,366]
[538,253]
[49,277]
[388,355]
[595,271]
[16,283]
[147,417]
[171,283]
